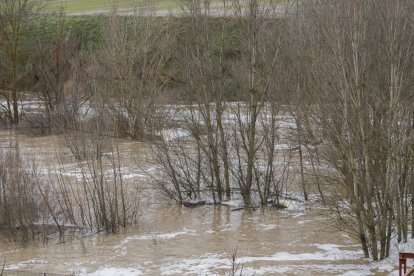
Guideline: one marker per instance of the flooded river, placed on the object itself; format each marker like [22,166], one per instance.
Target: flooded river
[174,240]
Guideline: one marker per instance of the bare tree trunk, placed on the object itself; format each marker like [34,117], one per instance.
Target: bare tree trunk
[362,236]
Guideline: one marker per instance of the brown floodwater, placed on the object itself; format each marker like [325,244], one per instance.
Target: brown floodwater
[174,240]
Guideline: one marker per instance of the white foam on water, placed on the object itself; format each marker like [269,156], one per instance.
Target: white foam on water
[119,271]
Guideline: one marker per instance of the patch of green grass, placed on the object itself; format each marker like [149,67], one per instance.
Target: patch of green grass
[76,6]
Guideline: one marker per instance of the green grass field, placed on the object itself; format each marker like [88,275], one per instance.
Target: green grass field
[78,6]
[72,6]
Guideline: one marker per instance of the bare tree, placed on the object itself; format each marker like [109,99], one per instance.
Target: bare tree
[255,72]
[56,59]
[205,75]
[14,18]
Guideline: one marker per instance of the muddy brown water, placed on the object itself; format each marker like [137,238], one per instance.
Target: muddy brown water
[174,240]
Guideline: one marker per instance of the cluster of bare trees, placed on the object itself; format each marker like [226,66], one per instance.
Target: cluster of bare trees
[358,73]
[65,80]
[231,123]
[343,69]
[98,197]
[340,71]
[92,197]
[128,72]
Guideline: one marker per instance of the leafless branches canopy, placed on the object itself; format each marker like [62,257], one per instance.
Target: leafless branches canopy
[359,74]
[235,104]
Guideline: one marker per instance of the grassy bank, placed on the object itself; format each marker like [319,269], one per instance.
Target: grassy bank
[76,6]
[89,30]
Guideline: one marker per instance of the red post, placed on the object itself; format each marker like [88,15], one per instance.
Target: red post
[403,262]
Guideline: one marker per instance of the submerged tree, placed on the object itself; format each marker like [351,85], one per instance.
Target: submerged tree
[256,133]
